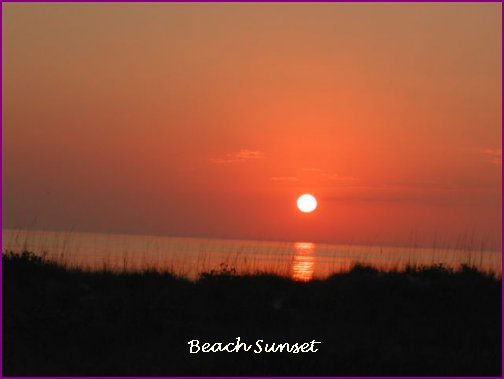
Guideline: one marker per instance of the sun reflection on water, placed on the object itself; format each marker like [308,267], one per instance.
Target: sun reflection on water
[303,261]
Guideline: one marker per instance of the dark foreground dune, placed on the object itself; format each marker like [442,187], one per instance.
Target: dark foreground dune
[422,322]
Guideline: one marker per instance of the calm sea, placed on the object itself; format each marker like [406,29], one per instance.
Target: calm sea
[191,256]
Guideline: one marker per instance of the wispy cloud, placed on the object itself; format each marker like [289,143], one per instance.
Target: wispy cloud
[434,195]
[241,156]
[493,156]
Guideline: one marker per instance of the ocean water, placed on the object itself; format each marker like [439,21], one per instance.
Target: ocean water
[189,257]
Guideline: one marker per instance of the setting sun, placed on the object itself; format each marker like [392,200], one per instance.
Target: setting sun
[307,203]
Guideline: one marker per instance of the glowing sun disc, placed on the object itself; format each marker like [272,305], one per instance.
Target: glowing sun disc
[306,203]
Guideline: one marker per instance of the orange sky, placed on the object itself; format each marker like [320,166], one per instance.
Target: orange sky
[210,119]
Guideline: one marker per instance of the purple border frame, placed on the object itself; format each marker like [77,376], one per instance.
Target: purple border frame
[236,1]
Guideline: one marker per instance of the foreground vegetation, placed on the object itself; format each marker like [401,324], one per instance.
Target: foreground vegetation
[428,321]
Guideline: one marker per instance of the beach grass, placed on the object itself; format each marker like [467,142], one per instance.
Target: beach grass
[421,321]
